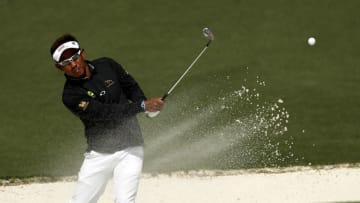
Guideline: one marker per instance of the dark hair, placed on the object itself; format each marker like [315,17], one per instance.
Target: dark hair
[61,40]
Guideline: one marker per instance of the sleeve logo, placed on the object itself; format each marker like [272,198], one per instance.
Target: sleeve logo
[83,105]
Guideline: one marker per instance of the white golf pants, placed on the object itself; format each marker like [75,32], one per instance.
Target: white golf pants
[124,166]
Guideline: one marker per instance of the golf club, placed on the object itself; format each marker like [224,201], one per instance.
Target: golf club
[209,35]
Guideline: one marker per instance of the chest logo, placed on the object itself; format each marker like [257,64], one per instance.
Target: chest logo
[91,94]
[83,105]
[109,83]
[102,93]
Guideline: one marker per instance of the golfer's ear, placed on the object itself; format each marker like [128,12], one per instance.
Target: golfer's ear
[82,53]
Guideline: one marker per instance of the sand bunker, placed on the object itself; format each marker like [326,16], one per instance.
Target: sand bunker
[297,184]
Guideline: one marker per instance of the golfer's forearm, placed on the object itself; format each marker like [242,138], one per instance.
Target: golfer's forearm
[99,112]
[132,89]
[103,112]
[92,110]
[135,94]
[128,84]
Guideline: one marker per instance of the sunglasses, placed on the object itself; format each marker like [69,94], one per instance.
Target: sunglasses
[74,57]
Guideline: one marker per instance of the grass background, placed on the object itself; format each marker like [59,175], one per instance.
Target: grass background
[155,41]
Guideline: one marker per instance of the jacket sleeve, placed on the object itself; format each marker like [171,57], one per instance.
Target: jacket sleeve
[130,87]
[89,109]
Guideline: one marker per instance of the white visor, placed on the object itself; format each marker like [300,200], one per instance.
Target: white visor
[60,50]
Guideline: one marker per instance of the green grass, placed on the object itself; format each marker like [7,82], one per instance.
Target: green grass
[155,41]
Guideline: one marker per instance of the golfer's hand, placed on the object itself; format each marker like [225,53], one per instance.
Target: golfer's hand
[154,104]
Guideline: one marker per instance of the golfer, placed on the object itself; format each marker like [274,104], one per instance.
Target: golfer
[106,98]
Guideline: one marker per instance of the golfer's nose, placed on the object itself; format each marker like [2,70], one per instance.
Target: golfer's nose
[72,64]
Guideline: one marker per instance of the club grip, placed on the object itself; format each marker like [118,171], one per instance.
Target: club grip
[164,97]
[208,43]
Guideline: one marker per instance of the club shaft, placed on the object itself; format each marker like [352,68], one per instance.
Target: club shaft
[187,70]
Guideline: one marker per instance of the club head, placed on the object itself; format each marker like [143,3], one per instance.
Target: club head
[208,34]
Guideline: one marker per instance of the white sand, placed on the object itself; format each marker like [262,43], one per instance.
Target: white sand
[301,184]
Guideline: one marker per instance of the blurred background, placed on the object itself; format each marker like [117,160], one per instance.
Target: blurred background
[260,96]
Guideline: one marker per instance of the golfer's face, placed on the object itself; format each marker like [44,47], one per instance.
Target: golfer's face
[73,63]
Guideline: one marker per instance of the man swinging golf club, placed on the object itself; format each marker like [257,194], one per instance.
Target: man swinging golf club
[106,99]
